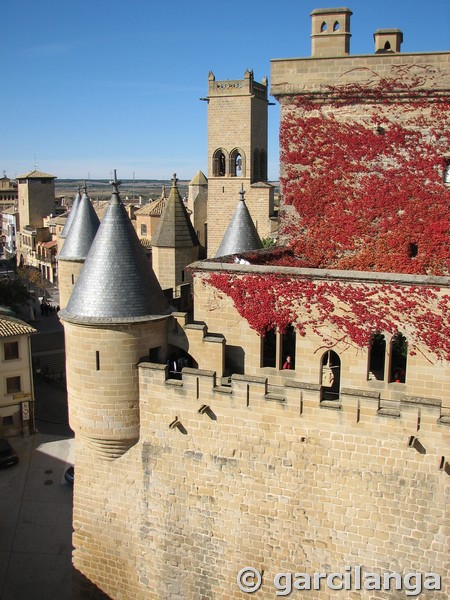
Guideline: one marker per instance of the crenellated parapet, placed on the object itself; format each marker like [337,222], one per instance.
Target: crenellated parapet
[409,419]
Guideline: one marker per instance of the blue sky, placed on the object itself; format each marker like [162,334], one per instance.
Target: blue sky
[95,85]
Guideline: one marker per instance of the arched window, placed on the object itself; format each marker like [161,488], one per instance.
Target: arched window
[237,163]
[219,163]
[330,376]
[387,46]
[377,357]
[323,27]
[256,165]
[336,26]
[399,355]
[144,230]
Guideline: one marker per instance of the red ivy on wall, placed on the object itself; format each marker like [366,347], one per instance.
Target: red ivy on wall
[356,310]
[363,190]
[364,171]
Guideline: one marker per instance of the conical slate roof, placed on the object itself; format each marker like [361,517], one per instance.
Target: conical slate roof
[175,229]
[241,235]
[81,233]
[71,216]
[117,283]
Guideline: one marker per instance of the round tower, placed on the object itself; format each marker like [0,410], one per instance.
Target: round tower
[116,314]
[72,256]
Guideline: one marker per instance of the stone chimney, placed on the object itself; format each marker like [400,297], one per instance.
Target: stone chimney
[387,40]
[330,32]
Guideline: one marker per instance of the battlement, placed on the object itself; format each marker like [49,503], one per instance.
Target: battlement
[296,403]
[237,87]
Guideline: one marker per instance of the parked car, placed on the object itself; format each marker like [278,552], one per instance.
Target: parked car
[69,474]
[8,456]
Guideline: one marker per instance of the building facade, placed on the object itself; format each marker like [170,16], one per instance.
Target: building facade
[17,392]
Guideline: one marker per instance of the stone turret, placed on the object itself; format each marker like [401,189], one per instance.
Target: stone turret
[330,32]
[241,235]
[175,244]
[198,205]
[388,40]
[116,315]
[81,234]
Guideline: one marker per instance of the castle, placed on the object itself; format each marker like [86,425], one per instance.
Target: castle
[337,465]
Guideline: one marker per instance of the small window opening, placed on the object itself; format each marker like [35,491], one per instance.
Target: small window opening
[336,26]
[413,249]
[377,357]
[97,360]
[73,279]
[144,230]
[447,172]
[13,385]
[399,354]
[269,348]
[323,27]
[11,350]
[387,46]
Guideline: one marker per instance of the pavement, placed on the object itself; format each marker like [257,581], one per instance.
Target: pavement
[36,520]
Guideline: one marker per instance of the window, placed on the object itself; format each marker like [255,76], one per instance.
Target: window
[219,163]
[387,46]
[413,249]
[330,376]
[323,27]
[11,350]
[13,385]
[447,171]
[377,357]
[399,354]
[237,163]
[144,230]
[269,349]
[336,26]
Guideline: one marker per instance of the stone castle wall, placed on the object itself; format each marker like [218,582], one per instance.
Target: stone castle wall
[250,479]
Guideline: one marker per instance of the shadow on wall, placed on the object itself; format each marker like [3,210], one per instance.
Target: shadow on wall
[84,589]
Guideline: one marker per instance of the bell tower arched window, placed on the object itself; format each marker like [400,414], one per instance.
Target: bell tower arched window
[219,163]
[237,163]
